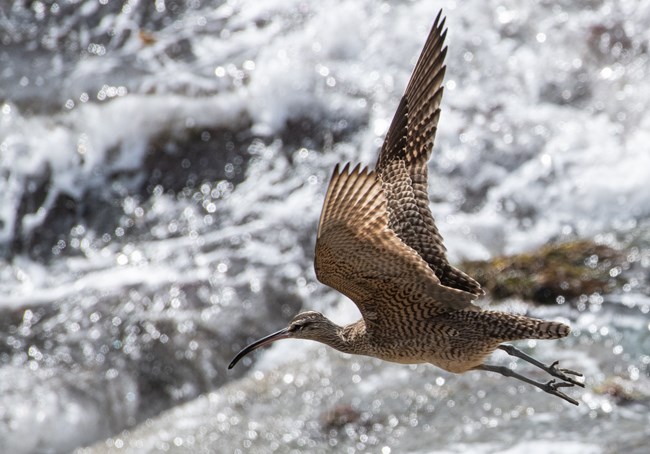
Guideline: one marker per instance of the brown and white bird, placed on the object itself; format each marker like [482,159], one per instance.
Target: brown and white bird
[378,244]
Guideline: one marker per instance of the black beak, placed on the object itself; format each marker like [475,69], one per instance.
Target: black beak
[282,334]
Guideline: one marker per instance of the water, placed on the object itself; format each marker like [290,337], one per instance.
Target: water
[162,166]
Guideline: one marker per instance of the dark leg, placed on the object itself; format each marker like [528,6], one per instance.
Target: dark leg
[550,387]
[562,374]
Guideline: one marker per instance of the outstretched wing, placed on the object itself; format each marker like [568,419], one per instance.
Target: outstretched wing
[402,163]
[358,255]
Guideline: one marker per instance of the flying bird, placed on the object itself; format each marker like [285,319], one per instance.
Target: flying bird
[378,244]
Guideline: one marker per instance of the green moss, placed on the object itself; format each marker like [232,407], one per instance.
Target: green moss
[557,270]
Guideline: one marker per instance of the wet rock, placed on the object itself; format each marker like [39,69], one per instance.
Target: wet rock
[552,273]
[176,162]
[338,417]
[623,391]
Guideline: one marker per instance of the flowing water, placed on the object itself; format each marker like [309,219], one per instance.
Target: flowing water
[162,166]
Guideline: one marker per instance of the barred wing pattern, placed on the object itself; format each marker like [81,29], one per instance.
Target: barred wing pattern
[358,255]
[402,163]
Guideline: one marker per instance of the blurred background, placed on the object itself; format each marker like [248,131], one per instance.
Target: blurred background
[162,169]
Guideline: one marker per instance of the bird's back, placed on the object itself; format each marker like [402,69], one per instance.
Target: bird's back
[458,341]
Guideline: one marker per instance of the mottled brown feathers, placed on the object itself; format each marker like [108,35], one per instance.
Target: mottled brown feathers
[509,327]
[402,163]
[358,255]
[377,240]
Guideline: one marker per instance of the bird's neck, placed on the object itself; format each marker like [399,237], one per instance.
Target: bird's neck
[351,338]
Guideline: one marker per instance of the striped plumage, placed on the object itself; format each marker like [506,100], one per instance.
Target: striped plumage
[378,244]
[402,163]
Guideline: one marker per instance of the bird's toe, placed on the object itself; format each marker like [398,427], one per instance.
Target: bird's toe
[566,374]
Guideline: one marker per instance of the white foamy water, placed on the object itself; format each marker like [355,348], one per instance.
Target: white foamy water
[162,167]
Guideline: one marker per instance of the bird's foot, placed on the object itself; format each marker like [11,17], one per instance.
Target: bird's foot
[565,375]
[552,387]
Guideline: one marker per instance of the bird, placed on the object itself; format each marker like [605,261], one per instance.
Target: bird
[377,243]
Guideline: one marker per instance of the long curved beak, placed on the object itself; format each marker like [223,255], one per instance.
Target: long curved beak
[282,334]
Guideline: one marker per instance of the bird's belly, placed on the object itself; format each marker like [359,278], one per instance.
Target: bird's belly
[455,354]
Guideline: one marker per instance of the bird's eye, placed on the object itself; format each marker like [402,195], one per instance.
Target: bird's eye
[297,327]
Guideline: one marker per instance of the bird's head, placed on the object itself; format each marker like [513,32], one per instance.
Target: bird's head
[306,325]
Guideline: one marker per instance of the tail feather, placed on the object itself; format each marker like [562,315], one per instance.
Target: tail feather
[511,327]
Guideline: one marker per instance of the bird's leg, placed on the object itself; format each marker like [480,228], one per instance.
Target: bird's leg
[562,374]
[550,387]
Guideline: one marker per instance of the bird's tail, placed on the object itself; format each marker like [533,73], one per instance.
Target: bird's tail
[510,327]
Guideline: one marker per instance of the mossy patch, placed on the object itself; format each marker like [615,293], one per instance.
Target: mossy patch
[552,272]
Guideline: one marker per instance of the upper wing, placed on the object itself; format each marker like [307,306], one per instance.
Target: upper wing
[402,163]
[358,255]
